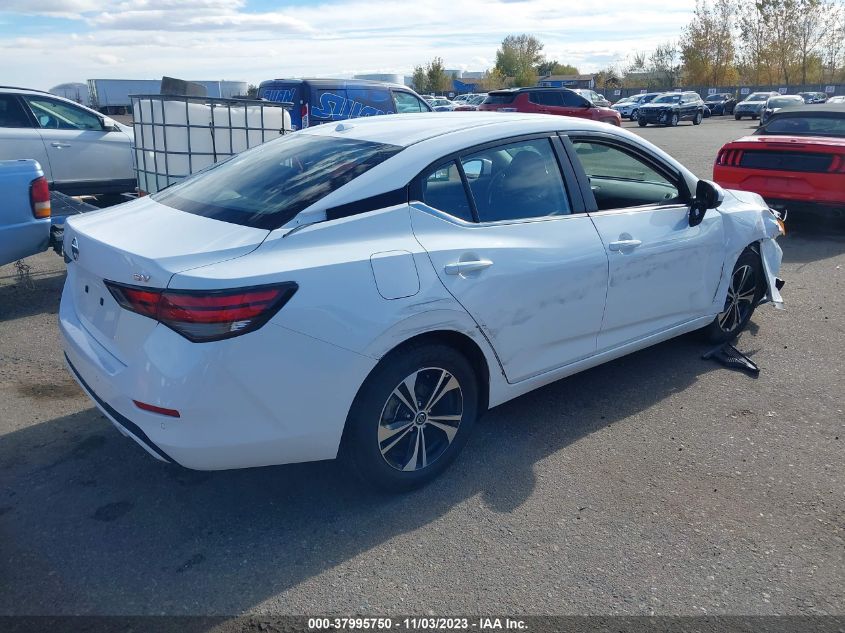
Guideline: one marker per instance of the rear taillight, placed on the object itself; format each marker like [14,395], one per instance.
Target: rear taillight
[206,315]
[39,198]
[729,157]
[303,113]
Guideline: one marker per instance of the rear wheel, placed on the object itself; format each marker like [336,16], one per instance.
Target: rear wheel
[642,122]
[675,120]
[697,119]
[633,115]
[737,116]
[753,117]
[744,292]
[412,417]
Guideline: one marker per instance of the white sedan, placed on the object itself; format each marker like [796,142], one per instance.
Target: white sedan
[80,150]
[370,288]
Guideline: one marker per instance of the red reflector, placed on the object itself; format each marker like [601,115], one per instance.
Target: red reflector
[39,197]
[173,413]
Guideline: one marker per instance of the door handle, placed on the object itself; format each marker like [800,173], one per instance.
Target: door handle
[59,145]
[459,268]
[624,245]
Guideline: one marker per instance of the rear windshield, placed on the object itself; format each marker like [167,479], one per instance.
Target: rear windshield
[267,186]
[758,96]
[500,98]
[783,102]
[715,98]
[674,98]
[803,125]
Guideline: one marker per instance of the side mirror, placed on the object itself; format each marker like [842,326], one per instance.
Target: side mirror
[708,195]
[109,125]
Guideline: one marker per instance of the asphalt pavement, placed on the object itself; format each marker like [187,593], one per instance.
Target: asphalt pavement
[656,484]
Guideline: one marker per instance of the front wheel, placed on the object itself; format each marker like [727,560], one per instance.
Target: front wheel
[675,120]
[737,117]
[412,417]
[697,119]
[744,292]
[642,122]
[753,117]
[633,116]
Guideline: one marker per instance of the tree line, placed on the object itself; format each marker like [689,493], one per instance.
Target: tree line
[764,42]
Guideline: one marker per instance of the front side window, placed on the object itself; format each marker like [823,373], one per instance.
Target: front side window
[269,185]
[516,181]
[444,189]
[58,115]
[12,113]
[572,99]
[406,102]
[620,179]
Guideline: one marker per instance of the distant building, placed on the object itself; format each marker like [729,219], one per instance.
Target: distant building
[466,84]
[391,78]
[74,91]
[567,81]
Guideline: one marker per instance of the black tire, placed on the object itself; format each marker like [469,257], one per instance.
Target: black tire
[732,320]
[737,117]
[633,116]
[753,117]
[642,122]
[697,119]
[383,434]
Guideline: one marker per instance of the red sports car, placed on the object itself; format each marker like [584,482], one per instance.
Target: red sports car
[797,159]
[562,101]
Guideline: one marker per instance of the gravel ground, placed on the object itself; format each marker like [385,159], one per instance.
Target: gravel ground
[656,484]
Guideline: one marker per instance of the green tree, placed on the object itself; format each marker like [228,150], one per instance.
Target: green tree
[420,80]
[707,44]
[492,80]
[252,91]
[551,67]
[438,80]
[665,66]
[608,79]
[519,56]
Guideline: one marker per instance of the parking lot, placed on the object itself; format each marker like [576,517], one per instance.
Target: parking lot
[659,483]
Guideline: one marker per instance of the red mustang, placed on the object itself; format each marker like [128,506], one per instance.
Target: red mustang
[796,159]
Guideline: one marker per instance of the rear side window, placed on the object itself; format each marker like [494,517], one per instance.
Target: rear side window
[12,113]
[267,186]
[500,98]
[443,189]
[548,98]
[573,99]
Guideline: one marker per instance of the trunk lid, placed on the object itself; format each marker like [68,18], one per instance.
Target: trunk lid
[141,243]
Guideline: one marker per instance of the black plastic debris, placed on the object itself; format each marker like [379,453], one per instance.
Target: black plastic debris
[729,356]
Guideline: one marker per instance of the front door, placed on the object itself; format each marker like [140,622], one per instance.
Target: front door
[662,271]
[19,138]
[80,150]
[507,242]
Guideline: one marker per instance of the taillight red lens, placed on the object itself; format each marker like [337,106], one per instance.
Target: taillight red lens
[202,316]
[39,198]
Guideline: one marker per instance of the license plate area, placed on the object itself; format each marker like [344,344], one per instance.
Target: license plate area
[95,306]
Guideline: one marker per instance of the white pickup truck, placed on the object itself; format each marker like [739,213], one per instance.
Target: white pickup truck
[24,210]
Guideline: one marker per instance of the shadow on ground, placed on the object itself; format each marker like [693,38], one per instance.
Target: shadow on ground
[91,524]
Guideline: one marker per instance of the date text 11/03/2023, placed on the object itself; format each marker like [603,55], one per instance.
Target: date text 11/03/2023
[431,623]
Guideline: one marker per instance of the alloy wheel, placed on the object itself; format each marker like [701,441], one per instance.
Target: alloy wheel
[740,300]
[420,419]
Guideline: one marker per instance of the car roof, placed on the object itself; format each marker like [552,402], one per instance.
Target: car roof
[18,89]
[408,129]
[532,89]
[822,109]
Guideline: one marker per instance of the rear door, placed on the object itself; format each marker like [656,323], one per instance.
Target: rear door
[507,236]
[663,272]
[80,150]
[19,136]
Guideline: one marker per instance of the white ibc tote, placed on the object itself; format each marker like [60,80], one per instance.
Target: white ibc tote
[177,136]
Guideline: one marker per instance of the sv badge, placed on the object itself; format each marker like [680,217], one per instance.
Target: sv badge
[141,277]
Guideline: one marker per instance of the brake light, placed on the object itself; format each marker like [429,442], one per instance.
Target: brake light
[303,112]
[39,198]
[729,157]
[837,165]
[206,315]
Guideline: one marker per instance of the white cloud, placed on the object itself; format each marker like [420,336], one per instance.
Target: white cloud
[204,39]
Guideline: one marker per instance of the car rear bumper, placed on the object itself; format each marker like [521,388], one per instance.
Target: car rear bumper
[816,188]
[273,396]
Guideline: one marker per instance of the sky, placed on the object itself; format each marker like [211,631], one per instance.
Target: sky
[47,42]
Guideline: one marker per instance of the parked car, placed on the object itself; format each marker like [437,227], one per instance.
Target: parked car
[630,109]
[752,105]
[837,99]
[707,113]
[813,97]
[593,97]
[560,101]
[25,213]
[372,290]
[319,101]
[79,150]
[671,108]
[720,103]
[773,104]
[795,160]
[472,103]
[441,104]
